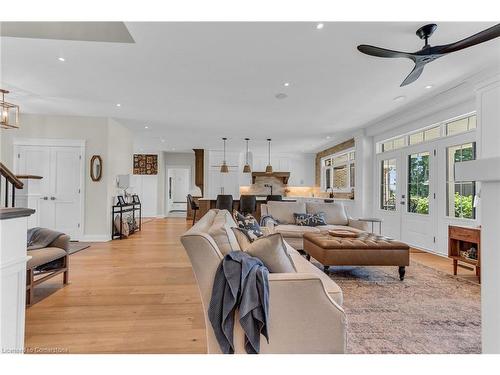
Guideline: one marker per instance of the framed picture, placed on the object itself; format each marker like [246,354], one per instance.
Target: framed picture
[121,200]
[135,199]
[145,164]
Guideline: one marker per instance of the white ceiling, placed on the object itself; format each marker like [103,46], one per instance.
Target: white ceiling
[193,83]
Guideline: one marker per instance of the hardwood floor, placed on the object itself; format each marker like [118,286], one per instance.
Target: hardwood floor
[136,295]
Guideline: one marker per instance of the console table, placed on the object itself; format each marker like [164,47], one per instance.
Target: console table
[460,242]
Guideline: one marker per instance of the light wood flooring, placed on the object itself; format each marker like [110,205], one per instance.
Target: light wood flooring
[136,295]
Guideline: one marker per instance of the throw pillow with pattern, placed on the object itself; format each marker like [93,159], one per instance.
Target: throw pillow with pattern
[249,224]
[310,220]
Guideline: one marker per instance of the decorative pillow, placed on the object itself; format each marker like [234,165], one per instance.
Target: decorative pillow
[310,220]
[271,250]
[249,224]
[221,232]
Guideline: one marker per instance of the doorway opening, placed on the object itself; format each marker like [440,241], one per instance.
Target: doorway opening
[178,183]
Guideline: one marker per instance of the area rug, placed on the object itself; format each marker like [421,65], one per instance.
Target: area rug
[76,246]
[428,312]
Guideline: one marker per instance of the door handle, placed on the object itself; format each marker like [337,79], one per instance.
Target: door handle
[52,198]
[44,198]
[402,202]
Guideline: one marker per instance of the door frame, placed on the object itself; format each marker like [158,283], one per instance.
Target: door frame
[167,188]
[59,142]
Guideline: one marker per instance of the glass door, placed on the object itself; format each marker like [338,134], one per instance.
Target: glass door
[418,213]
[389,192]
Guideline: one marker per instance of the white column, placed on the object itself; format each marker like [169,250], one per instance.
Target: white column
[13,259]
[363,196]
[488,111]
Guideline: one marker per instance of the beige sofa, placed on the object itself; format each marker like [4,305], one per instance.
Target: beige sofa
[305,307]
[335,215]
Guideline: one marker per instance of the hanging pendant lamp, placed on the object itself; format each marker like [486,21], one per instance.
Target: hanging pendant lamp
[224,168]
[246,168]
[9,113]
[269,168]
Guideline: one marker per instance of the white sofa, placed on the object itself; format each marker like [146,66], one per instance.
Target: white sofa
[335,214]
[305,307]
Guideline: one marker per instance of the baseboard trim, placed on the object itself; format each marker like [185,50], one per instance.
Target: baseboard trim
[95,238]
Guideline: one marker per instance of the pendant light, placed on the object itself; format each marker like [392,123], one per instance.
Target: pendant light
[246,168]
[269,168]
[9,113]
[224,168]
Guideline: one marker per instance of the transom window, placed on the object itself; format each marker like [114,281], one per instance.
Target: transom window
[338,171]
[445,129]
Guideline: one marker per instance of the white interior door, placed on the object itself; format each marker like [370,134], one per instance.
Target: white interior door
[65,187]
[57,197]
[418,213]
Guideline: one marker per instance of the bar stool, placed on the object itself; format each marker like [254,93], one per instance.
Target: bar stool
[194,206]
[248,204]
[224,202]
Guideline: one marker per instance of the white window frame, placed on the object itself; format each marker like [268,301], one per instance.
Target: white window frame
[347,163]
[442,125]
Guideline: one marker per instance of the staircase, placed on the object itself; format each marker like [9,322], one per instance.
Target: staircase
[12,182]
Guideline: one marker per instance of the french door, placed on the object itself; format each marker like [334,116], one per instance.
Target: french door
[406,195]
[57,196]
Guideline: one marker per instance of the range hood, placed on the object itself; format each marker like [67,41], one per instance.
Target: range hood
[284,176]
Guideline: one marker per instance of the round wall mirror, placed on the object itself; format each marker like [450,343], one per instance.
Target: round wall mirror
[96,168]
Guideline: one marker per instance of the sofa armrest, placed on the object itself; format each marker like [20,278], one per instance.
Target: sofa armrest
[61,242]
[303,317]
[361,225]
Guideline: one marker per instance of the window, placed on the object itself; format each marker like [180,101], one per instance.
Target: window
[338,171]
[460,126]
[418,183]
[388,185]
[460,195]
[443,129]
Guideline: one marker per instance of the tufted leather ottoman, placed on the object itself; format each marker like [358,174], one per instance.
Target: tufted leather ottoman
[365,250]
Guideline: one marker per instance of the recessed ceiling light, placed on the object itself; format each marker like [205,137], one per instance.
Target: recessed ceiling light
[118,105]
[286,84]
[319,26]
[428,87]
[146,127]
[61,59]
[399,98]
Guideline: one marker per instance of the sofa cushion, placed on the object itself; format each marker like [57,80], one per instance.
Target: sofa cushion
[271,250]
[221,232]
[292,230]
[44,255]
[304,266]
[283,211]
[310,220]
[335,213]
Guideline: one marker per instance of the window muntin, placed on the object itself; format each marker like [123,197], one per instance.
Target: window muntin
[460,195]
[443,129]
[338,171]
[388,182]
[418,183]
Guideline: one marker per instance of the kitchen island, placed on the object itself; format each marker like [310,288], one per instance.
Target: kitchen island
[208,203]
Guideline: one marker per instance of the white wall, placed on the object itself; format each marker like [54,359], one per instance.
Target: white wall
[104,137]
[91,129]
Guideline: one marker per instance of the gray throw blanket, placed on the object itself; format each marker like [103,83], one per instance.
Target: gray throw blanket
[38,238]
[241,281]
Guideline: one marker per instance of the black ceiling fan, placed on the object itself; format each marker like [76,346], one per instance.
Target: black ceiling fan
[429,53]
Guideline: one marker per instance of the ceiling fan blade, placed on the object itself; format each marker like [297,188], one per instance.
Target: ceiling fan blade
[414,74]
[382,52]
[481,37]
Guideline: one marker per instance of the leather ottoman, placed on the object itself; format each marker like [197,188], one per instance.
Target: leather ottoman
[365,250]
